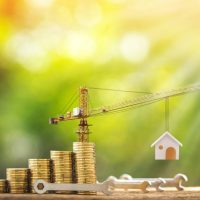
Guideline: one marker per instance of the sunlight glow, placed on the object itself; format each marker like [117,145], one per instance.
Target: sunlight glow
[48,48]
[39,3]
[27,52]
[80,45]
[134,47]
[89,14]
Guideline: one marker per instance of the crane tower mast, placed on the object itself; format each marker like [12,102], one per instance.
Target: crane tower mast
[83,130]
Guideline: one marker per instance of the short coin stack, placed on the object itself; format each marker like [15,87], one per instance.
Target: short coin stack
[62,166]
[39,169]
[3,186]
[18,180]
[85,161]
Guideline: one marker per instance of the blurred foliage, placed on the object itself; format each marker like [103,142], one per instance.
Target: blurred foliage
[49,48]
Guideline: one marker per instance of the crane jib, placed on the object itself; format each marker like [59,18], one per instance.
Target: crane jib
[143,100]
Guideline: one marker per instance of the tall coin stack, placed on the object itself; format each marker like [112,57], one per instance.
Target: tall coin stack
[18,180]
[85,161]
[62,167]
[3,186]
[39,169]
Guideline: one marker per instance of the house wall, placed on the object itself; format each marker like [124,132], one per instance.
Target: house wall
[160,154]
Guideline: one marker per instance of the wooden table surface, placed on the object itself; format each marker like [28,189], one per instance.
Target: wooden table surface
[188,194]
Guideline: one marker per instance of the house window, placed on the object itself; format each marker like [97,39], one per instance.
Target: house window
[160,147]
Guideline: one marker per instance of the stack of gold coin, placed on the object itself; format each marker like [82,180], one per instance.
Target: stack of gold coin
[18,180]
[39,169]
[85,163]
[3,186]
[62,167]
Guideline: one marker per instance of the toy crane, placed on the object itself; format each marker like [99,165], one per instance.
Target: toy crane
[83,111]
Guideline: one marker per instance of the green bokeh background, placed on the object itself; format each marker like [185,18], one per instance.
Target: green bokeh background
[49,48]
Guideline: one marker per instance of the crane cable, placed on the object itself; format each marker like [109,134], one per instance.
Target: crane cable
[126,108]
[167,114]
[153,96]
[115,90]
[70,103]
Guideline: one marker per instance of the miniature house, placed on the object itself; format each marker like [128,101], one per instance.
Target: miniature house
[166,147]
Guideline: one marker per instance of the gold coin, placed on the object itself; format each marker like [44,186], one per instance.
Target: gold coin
[46,166]
[17,169]
[3,186]
[62,166]
[57,168]
[85,162]
[40,169]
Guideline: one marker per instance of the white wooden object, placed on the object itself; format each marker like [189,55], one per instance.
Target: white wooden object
[129,184]
[160,183]
[41,186]
[166,147]
[175,182]
[155,182]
